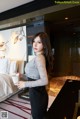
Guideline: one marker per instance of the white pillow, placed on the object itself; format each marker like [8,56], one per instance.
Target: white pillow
[4,66]
[13,67]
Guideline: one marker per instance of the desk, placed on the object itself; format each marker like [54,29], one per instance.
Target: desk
[64,104]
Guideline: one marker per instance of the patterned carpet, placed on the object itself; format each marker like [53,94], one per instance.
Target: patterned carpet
[16,108]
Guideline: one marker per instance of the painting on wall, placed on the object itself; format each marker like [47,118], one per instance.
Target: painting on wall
[13,43]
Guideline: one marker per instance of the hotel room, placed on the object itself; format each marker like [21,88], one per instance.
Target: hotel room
[19,22]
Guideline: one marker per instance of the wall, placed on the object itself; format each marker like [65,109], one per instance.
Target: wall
[65,41]
[15,42]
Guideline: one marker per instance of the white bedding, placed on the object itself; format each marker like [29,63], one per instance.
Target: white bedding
[7,86]
[9,76]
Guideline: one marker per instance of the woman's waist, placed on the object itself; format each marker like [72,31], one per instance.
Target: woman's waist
[37,87]
[31,79]
[33,76]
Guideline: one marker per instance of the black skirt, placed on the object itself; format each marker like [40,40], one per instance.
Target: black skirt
[39,101]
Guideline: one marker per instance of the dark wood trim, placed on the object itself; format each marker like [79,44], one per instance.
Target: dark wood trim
[26,8]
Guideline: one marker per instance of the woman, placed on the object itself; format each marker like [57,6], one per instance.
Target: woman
[37,73]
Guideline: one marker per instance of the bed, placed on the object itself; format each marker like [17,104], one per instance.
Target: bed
[9,70]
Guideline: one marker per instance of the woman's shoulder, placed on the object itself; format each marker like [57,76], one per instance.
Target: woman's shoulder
[40,58]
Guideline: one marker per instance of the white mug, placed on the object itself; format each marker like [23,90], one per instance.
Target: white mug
[78,117]
[15,78]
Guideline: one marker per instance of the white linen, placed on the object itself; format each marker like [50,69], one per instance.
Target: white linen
[3,65]
[7,86]
[7,66]
[8,78]
[13,67]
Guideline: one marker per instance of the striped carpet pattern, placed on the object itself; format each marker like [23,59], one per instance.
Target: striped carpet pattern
[15,108]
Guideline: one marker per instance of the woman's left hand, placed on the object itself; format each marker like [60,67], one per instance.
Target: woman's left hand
[21,84]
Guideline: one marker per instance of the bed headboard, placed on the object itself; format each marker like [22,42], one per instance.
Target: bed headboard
[10,66]
[16,66]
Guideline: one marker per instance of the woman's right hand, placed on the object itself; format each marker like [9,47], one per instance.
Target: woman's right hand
[20,75]
[21,84]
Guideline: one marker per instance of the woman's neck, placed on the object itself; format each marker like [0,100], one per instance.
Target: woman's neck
[39,53]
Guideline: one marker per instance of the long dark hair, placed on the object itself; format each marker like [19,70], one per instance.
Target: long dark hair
[47,49]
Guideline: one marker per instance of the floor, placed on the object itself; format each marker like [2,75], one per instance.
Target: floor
[56,84]
[54,87]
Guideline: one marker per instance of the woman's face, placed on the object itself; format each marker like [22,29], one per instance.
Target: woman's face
[37,45]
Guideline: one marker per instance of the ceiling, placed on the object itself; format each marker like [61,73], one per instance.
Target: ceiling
[57,14]
[9,4]
[58,17]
